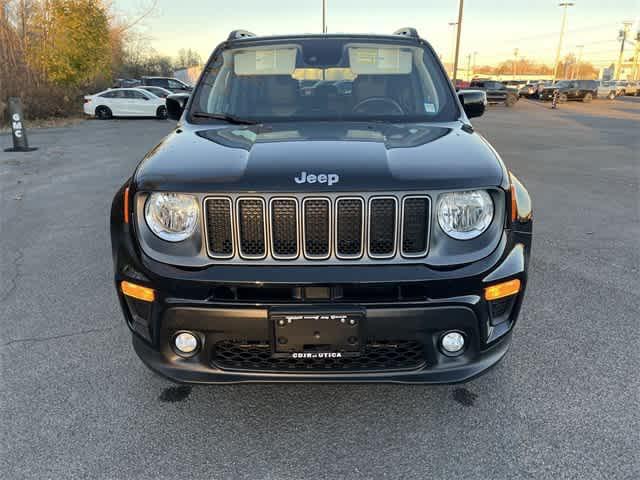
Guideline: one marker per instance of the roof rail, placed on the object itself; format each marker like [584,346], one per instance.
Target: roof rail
[238,34]
[407,32]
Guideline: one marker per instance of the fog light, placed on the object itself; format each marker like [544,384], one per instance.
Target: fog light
[186,342]
[452,342]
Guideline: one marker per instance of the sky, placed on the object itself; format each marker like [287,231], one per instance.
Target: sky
[492,28]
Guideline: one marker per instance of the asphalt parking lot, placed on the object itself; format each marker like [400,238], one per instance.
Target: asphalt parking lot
[564,404]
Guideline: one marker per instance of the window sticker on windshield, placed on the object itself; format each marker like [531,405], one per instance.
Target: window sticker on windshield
[271,61]
[429,107]
[371,61]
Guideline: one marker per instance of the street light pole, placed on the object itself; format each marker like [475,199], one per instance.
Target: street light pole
[453,44]
[324,16]
[515,62]
[564,22]
[455,61]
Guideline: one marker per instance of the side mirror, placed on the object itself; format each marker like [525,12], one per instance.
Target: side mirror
[473,102]
[176,104]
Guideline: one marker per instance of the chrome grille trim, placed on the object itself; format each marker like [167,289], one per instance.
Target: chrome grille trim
[233,228]
[303,257]
[264,229]
[362,229]
[330,232]
[395,234]
[428,226]
[298,242]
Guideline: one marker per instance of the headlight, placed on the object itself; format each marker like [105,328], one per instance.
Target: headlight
[171,216]
[465,215]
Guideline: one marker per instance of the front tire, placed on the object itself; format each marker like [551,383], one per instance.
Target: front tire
[563,98]
[103,113]
[611,95]
[161,113]
[510,102]
[587,98]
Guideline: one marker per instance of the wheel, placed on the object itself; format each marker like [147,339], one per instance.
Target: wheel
[622,93]
[563,98]
[103,113]
[509,101]
[587,98]
[611,95]
[161,113]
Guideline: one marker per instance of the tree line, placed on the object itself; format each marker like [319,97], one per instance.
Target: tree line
[54,51]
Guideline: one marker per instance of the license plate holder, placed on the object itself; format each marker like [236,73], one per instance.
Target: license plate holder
[321,332]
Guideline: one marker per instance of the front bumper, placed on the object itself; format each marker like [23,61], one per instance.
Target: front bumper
[406,310]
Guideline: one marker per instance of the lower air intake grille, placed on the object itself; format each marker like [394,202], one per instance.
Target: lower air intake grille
[219,227]
[284,228]
[316,228]
[415,230]
[382,227]
[251,228]
[377,356]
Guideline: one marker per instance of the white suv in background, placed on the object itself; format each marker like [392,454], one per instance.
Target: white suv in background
[607,89]
[125,102]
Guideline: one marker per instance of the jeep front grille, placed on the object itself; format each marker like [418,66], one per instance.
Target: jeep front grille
[333,228]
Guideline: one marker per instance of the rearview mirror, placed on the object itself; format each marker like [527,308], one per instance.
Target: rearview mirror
[176,104]
[473,102]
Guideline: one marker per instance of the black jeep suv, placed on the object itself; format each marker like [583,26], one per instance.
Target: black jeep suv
[288,233]
[497,92]
[584,90]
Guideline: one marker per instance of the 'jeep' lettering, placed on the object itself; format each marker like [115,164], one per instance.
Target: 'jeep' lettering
[328,178]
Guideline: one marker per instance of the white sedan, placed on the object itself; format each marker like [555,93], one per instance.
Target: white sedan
[125,102]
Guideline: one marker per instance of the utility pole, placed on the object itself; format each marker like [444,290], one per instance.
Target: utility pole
[577,69]
[324,16]
[622,36]
[515,62]
[455,62]
[565,5]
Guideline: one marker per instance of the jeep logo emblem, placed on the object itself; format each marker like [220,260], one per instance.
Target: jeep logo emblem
[328,178]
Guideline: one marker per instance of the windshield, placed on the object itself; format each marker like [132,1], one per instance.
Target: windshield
[562,83]
[325,79]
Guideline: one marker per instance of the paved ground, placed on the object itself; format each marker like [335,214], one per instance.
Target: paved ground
[76,403]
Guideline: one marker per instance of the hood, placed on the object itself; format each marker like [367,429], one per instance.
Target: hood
[302,157]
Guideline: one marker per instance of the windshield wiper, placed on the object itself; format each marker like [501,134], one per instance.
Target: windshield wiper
[226,117]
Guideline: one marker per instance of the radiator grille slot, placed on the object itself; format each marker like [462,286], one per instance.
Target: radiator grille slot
[284,228]
[251,228]
[317,228]
[219,227]
[382,227]
[349,227]
[415,226]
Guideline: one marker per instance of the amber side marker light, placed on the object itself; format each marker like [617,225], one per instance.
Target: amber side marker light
[126,205]
[138,291]
[514,204]
[501,290]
